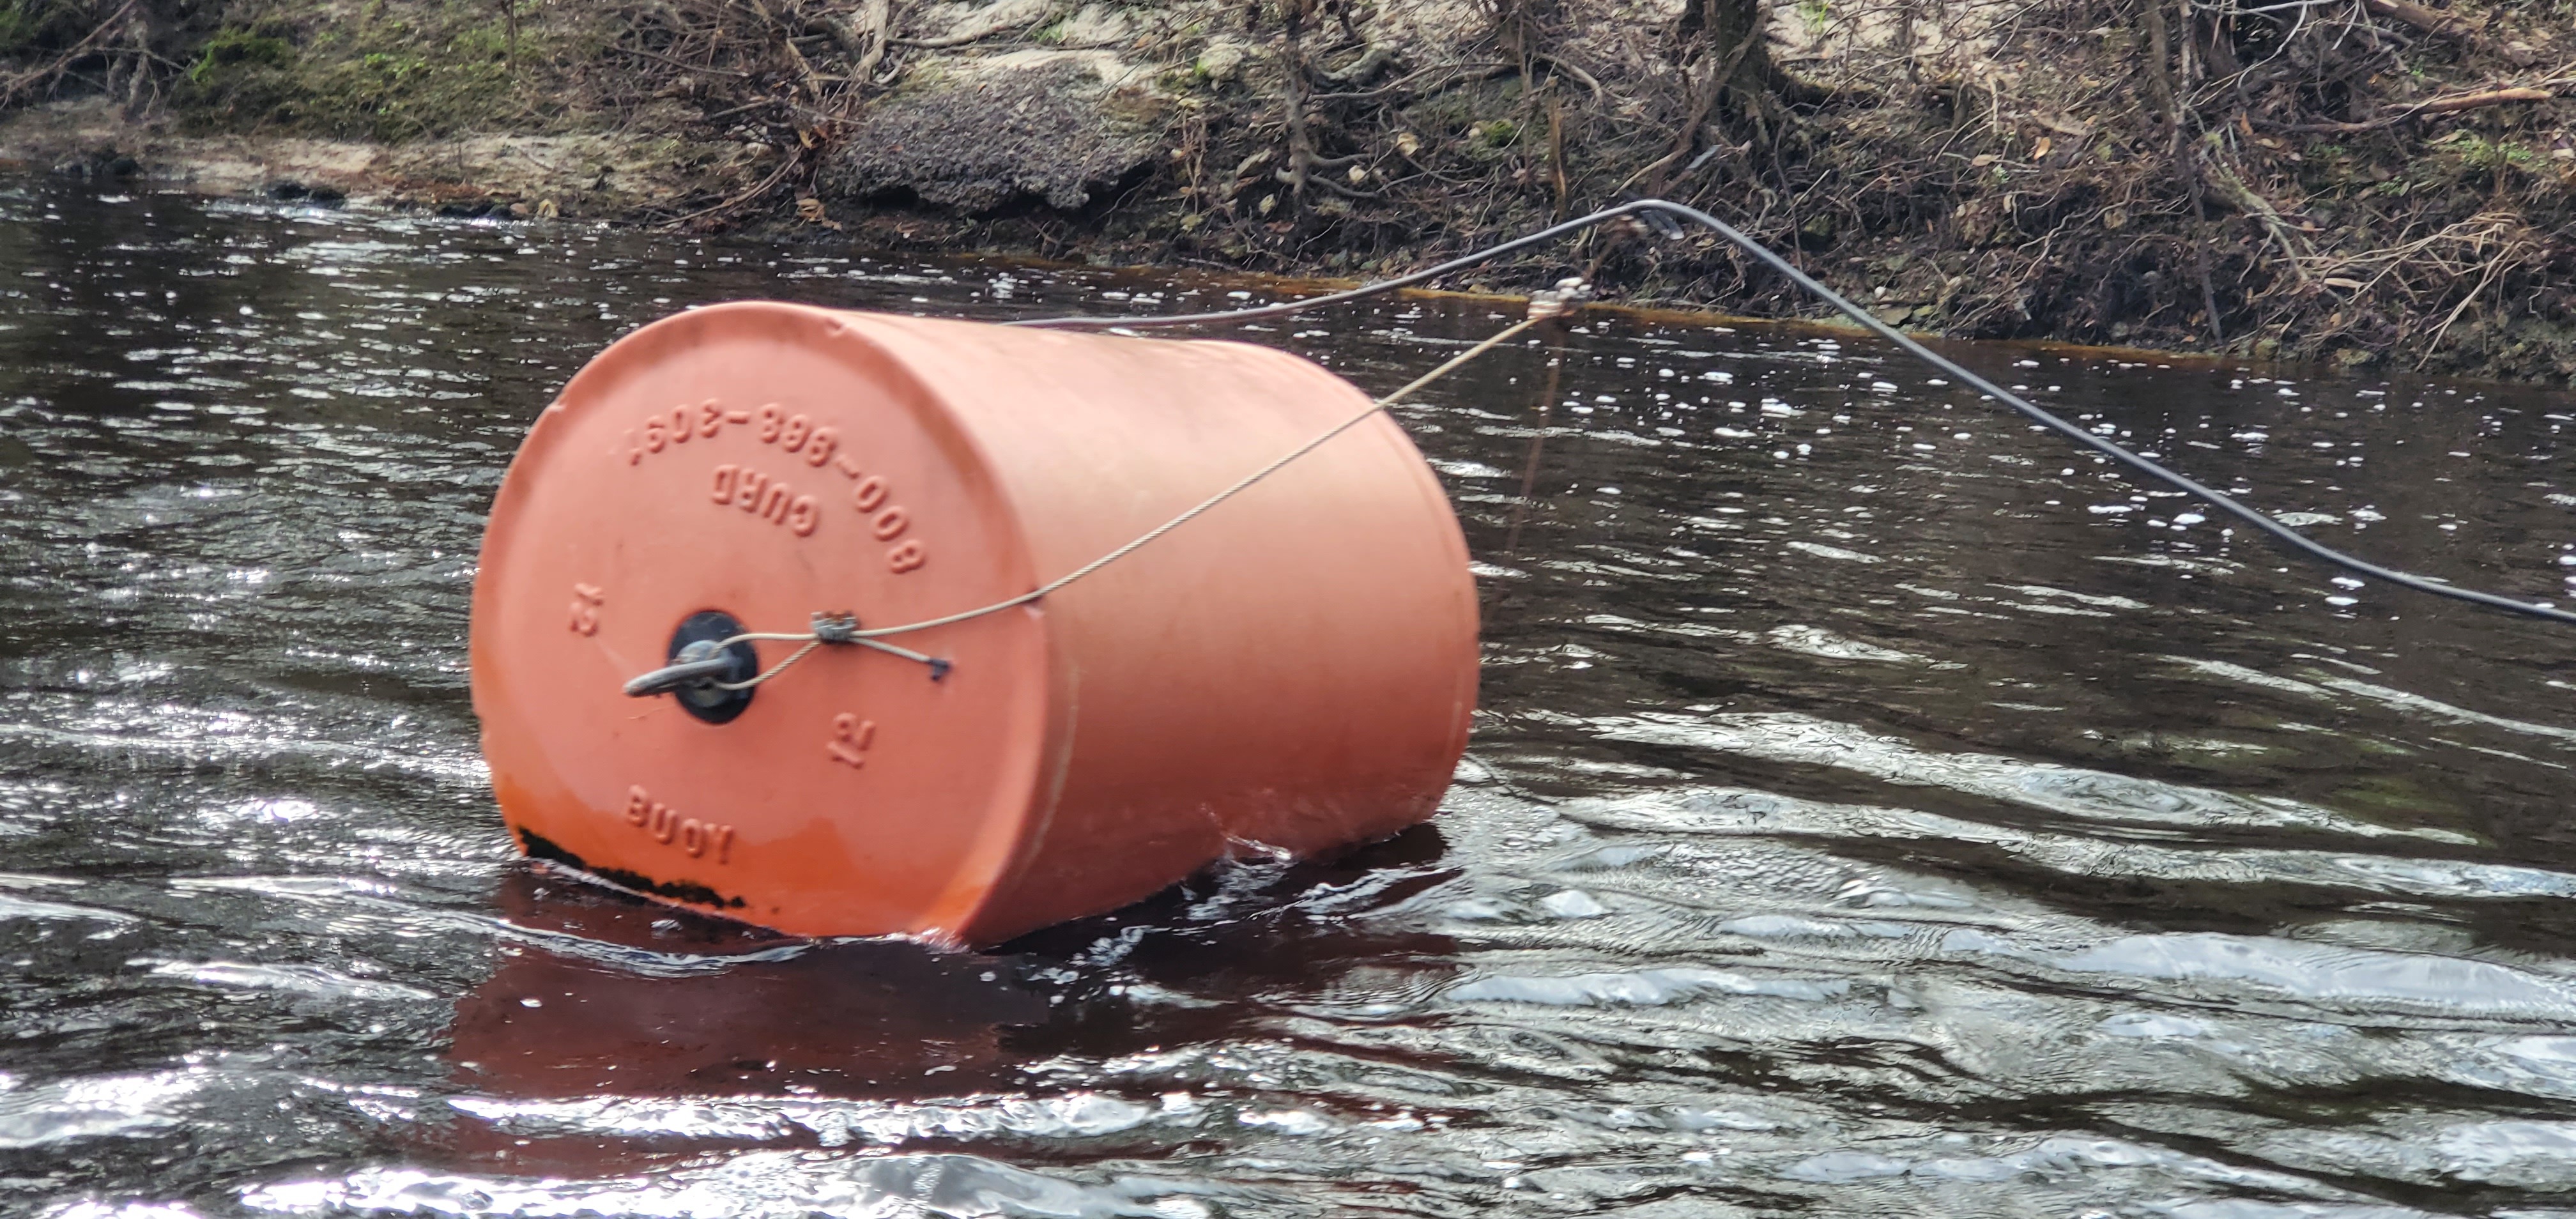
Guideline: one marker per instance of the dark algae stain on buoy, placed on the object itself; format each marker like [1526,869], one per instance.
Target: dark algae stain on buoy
[537,847]
[1869,810]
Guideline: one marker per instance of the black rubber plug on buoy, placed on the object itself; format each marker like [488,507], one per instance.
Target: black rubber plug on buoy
[695,642]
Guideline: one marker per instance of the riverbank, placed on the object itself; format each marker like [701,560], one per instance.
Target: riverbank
[2384,186]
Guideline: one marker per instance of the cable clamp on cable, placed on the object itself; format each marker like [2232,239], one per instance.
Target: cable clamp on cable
[843,628]
[836,628]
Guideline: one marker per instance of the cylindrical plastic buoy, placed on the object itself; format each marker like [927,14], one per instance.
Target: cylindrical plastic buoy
[1293,671]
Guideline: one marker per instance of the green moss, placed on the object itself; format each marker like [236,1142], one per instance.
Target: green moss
[389,74]
[2478,154]
[30,25]
[238,49]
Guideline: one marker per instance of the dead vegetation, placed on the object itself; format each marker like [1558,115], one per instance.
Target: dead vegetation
[2357,178]
[2354,179]
[2360,180]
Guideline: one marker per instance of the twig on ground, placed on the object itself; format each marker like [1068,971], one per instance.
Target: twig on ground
[2233,189]
[61,61]
[2440,105]
[680,64]
[2431,21]
[1486,70]
[739,200]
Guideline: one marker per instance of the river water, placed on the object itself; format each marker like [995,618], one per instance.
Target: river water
[1875,809]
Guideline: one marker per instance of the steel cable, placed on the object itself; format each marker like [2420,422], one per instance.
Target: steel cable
[1663,211]
[2297,542]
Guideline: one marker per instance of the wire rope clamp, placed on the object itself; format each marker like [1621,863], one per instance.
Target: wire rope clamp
[840,628]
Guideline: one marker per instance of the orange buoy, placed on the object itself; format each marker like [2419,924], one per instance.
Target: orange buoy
[1293,671]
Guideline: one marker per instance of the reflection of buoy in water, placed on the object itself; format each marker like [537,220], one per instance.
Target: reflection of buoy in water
[1293,671]
[598,1010]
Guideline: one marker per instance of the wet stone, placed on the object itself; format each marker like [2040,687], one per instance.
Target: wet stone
[1050,127]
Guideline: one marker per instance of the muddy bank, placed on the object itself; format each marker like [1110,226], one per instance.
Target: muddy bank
[2372,184]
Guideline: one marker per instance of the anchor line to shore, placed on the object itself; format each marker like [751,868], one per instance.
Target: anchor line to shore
[1662,214]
